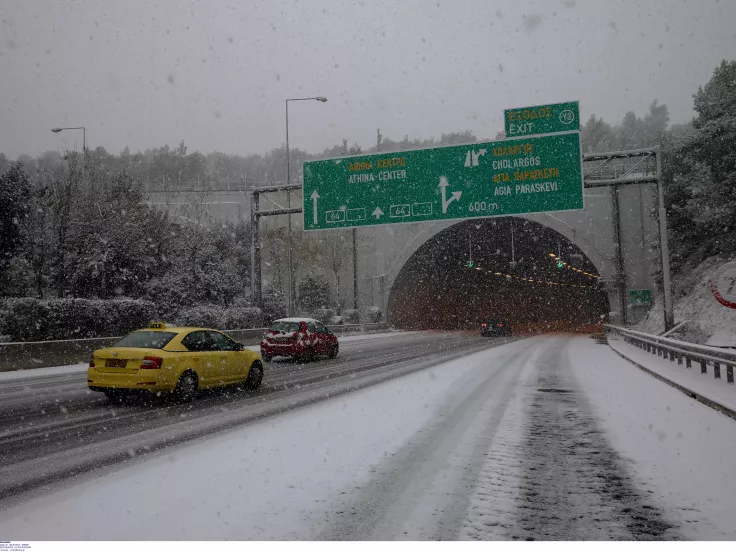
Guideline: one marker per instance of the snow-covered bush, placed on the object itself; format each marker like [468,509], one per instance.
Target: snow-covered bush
[323,315]
[241,302]
[4,321]
[48,319]
[314,292]
[336,320]
[273,306]
[375,314]
[202,316]
[243,317]
[351,316]
[27,315]
[128,315]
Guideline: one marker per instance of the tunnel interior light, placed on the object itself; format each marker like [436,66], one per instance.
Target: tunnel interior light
[528,279]
[563,264]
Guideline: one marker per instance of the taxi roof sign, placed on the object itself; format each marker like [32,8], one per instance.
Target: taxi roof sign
[157,326]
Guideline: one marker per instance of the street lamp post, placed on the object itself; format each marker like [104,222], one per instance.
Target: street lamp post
[84,134]
[288,198]
[84,142]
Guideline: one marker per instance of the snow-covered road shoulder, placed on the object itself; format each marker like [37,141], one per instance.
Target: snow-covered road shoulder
[14,375]
[718,392]
[682,450]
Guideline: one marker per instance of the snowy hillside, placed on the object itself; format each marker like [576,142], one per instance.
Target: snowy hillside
[710,322]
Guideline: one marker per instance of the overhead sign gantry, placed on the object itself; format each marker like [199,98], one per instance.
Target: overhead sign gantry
[526,175]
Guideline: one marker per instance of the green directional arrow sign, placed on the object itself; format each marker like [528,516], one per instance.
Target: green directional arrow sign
[541,119]
[529,175]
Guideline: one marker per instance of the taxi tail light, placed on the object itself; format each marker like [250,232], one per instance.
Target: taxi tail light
[91,361]
[151,363]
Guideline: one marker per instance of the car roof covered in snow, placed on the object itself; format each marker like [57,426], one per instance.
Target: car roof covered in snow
[296,320]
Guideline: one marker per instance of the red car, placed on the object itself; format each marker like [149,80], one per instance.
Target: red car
[301,338]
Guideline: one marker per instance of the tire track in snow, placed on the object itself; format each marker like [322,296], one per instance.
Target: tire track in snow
[566,481]
[422,491]
[492,508]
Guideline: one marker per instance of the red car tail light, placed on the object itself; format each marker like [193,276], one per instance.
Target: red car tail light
[151,363]
[484,325]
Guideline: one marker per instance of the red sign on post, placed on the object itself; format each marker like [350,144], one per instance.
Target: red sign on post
[723,285]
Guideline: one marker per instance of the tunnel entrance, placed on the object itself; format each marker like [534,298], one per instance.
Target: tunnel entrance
[510,269]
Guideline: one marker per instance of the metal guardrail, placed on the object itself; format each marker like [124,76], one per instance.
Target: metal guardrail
[681,351]
[25,355]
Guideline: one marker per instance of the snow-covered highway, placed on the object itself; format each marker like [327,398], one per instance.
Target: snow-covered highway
[550,437]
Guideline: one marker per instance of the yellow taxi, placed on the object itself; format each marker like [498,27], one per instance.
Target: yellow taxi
[181,361]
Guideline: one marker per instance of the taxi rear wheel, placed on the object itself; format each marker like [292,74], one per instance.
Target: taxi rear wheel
[186,387]
[255,376]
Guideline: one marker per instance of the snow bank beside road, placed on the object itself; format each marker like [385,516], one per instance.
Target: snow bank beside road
[683,450]
[41,372]
[706,385]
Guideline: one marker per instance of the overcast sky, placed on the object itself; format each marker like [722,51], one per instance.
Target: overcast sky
[216,73]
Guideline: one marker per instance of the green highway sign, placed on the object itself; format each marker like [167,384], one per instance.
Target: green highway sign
[640,296]
[541,119]
[529,175]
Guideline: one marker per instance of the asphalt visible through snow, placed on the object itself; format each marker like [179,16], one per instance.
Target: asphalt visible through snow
[515,454]
[574,485]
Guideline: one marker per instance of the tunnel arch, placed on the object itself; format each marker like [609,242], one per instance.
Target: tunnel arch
[434,256]
[426,232]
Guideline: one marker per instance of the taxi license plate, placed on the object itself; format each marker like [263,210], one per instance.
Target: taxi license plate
[116,363]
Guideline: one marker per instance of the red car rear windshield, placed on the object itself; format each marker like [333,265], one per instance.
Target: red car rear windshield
[146,340]
[285,327]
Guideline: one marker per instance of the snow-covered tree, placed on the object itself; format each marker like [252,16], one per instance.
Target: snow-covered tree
[700,173]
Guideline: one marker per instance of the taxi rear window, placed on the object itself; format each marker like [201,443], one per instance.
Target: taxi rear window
[146,340]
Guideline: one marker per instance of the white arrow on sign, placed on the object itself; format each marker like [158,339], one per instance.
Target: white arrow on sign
[315,197]
[446,202]
[377,213]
